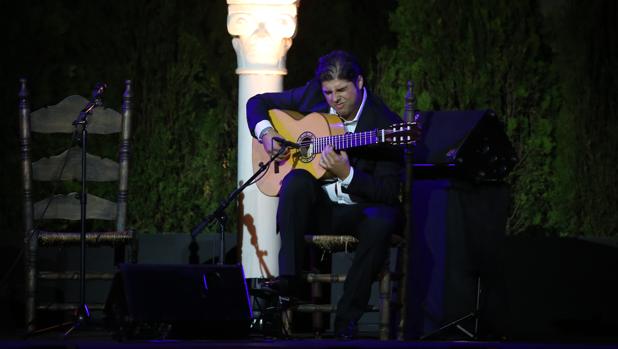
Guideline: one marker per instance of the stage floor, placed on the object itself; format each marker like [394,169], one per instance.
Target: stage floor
[288,343]
[98,340]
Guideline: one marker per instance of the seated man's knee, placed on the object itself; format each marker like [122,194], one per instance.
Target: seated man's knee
[383,221]
[297,181]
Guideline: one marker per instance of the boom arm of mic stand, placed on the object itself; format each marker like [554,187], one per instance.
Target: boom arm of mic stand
[83,115]
[219,212]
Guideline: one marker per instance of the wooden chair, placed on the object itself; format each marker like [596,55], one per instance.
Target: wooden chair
[391,279]
[57,211]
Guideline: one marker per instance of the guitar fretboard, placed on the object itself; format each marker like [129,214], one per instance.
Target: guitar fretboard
[345,141]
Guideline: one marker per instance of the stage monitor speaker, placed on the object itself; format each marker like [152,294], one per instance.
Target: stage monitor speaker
[178,301]
[474,142]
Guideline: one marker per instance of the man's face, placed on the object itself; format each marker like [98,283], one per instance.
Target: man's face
[344,96]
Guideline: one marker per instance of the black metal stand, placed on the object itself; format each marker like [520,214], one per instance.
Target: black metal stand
[219,213]
[82,314]
[471,334]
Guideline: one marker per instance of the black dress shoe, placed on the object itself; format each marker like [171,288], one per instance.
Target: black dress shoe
[346,329]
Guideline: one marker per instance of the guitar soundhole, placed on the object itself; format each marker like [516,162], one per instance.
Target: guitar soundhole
[306,147]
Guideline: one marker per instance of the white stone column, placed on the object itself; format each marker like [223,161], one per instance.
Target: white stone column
[263,32]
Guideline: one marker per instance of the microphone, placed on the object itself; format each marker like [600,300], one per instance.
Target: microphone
[98,90]
[97,93]
[286,143]
[94,102]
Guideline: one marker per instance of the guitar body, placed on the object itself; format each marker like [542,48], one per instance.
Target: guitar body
[295,127]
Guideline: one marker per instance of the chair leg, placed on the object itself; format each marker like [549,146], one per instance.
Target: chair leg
[31,281]
[316,295]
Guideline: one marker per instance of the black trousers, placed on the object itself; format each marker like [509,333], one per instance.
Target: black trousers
[304,208]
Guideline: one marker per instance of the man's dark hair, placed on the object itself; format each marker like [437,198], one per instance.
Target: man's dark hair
[338,65]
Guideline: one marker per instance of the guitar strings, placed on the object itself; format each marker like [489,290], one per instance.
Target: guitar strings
[351,139]
[344,141]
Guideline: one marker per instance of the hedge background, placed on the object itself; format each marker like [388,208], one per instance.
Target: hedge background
[548,68]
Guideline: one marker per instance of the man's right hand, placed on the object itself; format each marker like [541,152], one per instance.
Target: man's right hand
[272,147]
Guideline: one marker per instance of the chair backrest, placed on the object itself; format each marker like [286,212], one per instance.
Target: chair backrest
[66,166]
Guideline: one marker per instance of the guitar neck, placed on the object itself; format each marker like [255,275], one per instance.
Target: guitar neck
[348,140]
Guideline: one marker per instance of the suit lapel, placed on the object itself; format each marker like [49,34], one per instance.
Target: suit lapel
[367,120]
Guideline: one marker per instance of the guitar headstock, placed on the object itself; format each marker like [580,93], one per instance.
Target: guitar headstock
[402,133]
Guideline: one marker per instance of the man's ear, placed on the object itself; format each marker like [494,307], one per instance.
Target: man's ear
[360,83]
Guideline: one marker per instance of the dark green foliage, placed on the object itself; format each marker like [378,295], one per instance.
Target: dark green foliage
[477,55]
[553,86]
[185,155]
[557,101]
[181,61]
[585,194]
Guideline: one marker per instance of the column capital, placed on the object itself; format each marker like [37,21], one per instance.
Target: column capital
[263,32]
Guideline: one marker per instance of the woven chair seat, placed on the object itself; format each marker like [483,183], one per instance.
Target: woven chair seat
[332,242]
[92,238]
[335,243]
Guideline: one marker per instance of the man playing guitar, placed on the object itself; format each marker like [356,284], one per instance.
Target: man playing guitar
[359,194]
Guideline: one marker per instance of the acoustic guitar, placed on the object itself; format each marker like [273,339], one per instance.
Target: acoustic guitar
[313,133]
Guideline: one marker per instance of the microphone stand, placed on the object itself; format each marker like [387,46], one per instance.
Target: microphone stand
[219,213]
[83,313]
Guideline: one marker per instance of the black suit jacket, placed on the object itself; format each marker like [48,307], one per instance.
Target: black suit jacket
[378,168]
